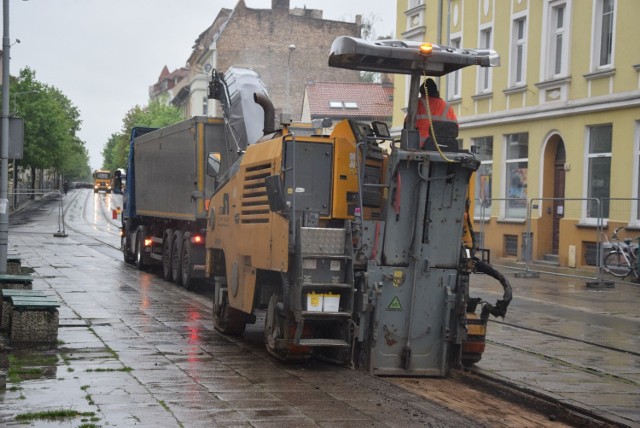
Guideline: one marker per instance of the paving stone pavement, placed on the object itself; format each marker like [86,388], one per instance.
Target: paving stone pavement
[137,351]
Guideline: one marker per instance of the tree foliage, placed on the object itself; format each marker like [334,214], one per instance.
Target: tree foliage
[51,124]
[368,32]
[155,115]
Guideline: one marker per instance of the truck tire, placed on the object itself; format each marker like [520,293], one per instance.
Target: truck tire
[186,267]
[167,241]
[126,251]
[227,320]
[140,259]
[176,252]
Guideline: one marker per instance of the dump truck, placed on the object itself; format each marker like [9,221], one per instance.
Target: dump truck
[101,181]
[166,197]
[355,254]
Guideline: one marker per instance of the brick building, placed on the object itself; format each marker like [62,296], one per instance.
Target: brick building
[168,83]
[280,44]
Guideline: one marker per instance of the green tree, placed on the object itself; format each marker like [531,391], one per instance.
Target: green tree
[155,115]
[51,124]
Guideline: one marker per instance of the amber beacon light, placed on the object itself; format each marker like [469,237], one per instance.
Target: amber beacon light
[426,49]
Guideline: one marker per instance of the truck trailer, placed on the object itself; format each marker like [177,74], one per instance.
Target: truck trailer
[166,197]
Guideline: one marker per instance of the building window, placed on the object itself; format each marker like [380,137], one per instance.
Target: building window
[517,152]
[518,52]
[603,33]
[484,153]
[558,39]
[484,73]
[637,173]
[599,170]
[415,3]
[335,104]
[453,80]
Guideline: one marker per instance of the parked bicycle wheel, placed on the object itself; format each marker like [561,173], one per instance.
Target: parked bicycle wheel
[616,264]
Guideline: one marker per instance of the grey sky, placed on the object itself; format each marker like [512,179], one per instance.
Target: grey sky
[104,54]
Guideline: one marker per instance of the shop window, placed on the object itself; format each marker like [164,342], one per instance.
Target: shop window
[516,175]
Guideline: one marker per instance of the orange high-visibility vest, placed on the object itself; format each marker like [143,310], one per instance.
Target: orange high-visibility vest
[440,111]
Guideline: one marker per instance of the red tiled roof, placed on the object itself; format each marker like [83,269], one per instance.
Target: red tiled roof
[372,99]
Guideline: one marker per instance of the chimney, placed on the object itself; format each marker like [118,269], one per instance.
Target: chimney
[280,5]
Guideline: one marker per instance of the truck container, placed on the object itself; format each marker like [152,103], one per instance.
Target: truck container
[167,196]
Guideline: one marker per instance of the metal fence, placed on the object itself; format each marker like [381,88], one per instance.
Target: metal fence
[563,232]
[37,211]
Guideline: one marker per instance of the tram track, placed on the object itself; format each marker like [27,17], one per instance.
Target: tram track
[563,337]
[85,206]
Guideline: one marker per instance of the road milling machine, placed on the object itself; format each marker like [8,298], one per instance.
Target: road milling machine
[357,254]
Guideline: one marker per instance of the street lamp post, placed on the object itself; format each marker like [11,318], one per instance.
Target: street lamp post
[4,143]
[292,47]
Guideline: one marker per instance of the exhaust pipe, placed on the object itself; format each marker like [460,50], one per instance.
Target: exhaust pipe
[269,112]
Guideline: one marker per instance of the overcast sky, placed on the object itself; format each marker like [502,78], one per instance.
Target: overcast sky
[104,54]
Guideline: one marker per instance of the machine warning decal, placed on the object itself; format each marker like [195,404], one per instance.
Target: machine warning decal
[395,304]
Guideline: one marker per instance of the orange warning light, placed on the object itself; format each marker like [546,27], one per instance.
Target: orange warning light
[426,49]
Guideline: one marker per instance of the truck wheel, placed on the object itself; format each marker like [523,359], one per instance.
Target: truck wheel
[176,251]
[140,256]
[275,330]
[227,320]
[126,251]
[278,331]
[166,255]
[187,267]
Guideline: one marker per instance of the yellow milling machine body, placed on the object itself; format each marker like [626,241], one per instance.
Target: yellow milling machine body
[354,252]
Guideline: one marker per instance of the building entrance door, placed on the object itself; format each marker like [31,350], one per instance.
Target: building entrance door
[558,193]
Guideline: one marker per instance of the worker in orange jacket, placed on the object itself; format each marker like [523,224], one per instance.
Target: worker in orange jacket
[440,109]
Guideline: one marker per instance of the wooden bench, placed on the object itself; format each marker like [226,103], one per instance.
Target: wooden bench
[30,316]
[16,282]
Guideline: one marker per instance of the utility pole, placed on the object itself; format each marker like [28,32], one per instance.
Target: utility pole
[4,143]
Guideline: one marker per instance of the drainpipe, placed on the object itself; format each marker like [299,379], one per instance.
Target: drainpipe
[439,37]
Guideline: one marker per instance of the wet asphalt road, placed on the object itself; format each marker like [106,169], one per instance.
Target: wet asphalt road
[137,351]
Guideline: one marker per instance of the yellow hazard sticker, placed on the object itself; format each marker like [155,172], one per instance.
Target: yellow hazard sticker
[395,304]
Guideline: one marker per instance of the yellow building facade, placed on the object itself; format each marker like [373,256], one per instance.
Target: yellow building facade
[557,126]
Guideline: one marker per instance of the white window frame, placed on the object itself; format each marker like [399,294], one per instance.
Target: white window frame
[518,57]
[507,161]
[587,172]
[477,214]
[407,80]
[454,80]
[549,63]
[597,34]
[415,3]
[484,73]
[205,106]
[635,182]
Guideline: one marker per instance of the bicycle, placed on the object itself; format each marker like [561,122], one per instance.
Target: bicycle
[622,260]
